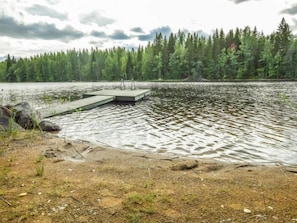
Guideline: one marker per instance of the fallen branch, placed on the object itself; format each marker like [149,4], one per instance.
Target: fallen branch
[76,200]
[6,201]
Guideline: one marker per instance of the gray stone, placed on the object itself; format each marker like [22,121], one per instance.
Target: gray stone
[49,126]
[5,112]
[7,124]
[25,116]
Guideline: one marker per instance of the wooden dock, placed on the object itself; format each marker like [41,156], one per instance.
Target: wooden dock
[122,95]
[95,99]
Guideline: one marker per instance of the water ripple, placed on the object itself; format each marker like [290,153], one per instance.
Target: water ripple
[234,122]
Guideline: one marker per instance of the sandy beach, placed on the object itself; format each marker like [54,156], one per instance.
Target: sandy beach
[44,178]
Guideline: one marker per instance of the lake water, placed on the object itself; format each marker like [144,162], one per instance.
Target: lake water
[252,122]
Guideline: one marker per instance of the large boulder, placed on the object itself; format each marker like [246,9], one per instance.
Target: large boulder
[25,116]
[7,124]
[22,116]
[4,123]
[5,112]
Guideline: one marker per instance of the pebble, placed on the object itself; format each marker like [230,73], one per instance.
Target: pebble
[22,194]
[248,211]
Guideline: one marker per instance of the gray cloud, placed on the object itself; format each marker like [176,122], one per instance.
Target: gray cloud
[9,27]
[241,1]
[96,18]
[52,2]
[97,43]
[290,11]
[137,30]
[165,30]
[119,35]
[45,11]
[99,34]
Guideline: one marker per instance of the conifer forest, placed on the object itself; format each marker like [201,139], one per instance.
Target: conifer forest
[240,54]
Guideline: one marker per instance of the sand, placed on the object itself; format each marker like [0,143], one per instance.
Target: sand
[44,178]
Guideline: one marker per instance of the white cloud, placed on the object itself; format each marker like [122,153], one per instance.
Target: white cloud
[88,23]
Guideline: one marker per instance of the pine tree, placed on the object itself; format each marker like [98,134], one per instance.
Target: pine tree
[10,74]
[283,37]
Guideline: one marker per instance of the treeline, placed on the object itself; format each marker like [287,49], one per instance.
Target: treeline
[238,54]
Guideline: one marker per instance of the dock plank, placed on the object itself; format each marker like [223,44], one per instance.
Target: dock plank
[83,104]
[122,95]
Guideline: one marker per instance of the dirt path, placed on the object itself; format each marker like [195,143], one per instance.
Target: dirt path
[47,179]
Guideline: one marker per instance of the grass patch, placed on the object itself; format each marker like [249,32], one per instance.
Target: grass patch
[12,132]
[40,166]
[40,170]
[47,99]
[141,203]
[4,176]
[39,158]
[2,150]
[8,136]
[135,217]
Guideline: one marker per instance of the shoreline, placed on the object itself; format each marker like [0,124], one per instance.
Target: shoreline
[45,178]
[170,155]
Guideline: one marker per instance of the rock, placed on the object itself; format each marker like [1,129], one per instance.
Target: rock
[4,123]
[49,126]
[7,124]
[23,194]
[5,112]
[185,165]
[49,153]
[25,116]
[247,211]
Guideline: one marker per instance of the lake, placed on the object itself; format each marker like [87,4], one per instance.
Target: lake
[251,122]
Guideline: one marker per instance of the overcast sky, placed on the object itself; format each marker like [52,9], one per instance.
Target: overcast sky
[30,27]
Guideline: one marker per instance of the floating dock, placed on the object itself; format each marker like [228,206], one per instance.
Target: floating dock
[122,95]
[95,99]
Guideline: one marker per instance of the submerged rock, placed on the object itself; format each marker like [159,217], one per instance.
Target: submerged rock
[49,126]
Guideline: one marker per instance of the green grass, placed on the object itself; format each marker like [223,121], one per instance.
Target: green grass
[11,132]
[40,170]
[4,175]
[39,158]
[2,150]
[141,203]
[135,217]
[47,99]
[39,165]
